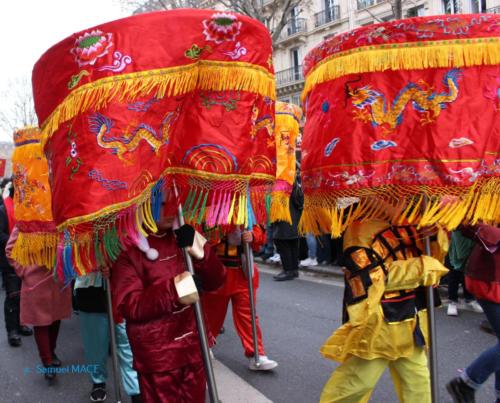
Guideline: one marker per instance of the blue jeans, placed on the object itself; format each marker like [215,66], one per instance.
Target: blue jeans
[312,246]
[489,361]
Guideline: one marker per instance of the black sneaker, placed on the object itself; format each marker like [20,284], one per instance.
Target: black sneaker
[98,393]
[14,338]
[49,374]
[56,362]
[25,331]
[460,392]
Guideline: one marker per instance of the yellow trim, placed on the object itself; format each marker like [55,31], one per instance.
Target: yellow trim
[405,56]
[142,200]
[36,249]
[419,205]
[172,81]
[353,164]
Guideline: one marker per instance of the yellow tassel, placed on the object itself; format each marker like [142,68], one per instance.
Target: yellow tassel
[280,207]
[172,81]
[405,56]
[231,210]
[37,248]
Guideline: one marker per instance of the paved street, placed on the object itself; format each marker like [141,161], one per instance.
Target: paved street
[296,318]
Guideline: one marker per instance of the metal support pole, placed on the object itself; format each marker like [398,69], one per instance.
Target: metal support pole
[249,262]
[431,326]
[112,338]
[209,371]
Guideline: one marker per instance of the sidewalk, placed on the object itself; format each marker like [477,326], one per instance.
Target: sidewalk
[321,270]
[231,388]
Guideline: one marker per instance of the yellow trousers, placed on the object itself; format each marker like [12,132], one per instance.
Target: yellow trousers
[353,381]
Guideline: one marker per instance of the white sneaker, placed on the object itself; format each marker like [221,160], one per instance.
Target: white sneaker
[452,309]
[309,262]
[276,258]
[474,306]
[265,364]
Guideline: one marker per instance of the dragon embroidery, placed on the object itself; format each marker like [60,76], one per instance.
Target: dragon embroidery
[122,143]
[264,122]
[371,105]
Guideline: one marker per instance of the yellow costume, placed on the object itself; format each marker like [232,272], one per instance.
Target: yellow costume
[386,322]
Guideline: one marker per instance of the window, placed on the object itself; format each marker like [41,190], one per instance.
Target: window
[477,6]
[415,12]
[296,99]
[452,6]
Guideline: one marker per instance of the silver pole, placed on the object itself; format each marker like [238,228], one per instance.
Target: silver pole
[114,354]
[212,386]
[249,262]
[431,326]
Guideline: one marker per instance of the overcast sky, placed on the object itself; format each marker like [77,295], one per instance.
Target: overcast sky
[29,27]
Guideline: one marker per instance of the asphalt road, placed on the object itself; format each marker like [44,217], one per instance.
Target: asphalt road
[296,317]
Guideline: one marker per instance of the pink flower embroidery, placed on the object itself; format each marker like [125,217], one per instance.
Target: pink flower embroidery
[90,46]
[221,27]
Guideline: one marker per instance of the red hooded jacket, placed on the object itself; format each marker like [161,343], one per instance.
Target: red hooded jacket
[162,332]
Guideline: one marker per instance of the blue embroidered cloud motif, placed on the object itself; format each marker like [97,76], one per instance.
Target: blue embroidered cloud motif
[330,146]
[382,144]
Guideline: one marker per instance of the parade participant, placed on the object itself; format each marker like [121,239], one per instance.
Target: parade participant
[229,250]
[483,281]
[161,327]
[44,303]
[385,324]
[90,300]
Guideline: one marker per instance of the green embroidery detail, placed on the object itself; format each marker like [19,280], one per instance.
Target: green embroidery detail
[75,79]
[89,41]
[224,21]
[195,51]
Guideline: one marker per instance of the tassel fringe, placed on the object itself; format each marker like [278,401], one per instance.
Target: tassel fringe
[174,81]
[421,206]
[405,56]
[35,249]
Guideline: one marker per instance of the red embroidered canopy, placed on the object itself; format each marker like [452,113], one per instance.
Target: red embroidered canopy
[130,106]
[405,111]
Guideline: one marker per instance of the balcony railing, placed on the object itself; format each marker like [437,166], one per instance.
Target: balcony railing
[326,16]
[493,10]
[294,26]
[289,76]
[368,3]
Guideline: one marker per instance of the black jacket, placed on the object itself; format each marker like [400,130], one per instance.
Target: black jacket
[4,237]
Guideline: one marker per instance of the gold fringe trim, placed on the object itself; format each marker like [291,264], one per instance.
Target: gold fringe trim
[405,56]
[280,207]
[173,81]
[423,206]
[36,249]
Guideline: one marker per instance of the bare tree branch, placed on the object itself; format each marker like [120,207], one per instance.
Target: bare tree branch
[18,109]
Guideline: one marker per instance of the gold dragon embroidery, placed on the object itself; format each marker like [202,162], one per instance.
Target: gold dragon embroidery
[123,143]
[372,107]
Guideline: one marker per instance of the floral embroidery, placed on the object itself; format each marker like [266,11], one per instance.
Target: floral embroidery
[25,188]
[194,52]
[382,144]
[263,122]
[331,146]
[460,142]
[140,106]
[221,27]
[75,79]
[227,99]
[237,52]
[119,64]
[90,46]
[73,161]
[108,184]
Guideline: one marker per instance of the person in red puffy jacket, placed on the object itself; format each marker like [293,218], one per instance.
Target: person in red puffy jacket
[161,327]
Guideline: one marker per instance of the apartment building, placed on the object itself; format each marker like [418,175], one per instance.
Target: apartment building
[308,26]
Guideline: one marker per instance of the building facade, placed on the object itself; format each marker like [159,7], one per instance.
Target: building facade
[317,20]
